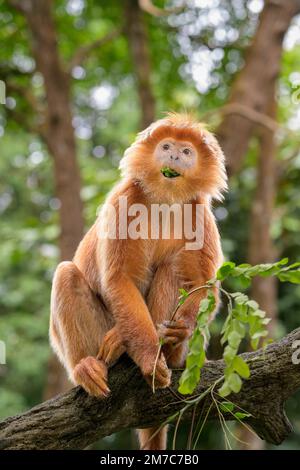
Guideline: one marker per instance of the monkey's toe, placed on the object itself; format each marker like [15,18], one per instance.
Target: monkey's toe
[111,349]
[91,374]
[162,375]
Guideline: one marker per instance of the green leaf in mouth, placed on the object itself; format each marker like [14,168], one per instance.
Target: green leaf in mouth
[169,172]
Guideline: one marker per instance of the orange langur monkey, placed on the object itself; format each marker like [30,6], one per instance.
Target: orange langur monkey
[118,293]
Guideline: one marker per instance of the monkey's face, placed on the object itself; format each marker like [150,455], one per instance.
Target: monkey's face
[175,159]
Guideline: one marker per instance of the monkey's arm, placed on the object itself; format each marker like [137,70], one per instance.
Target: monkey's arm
[197,267]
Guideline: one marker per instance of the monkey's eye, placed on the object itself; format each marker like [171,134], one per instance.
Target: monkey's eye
[186,151]
[166,146]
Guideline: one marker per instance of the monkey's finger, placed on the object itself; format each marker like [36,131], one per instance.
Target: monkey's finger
[84,377]
[94,389]
[99,385]
[171,335]
[100,353]
[178,332]
[114,354]
[172,340]
[178,324]
[112,349]
[162,379]
[97,372]
[162,370]
[104,350]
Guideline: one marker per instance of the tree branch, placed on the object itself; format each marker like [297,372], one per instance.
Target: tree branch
[147,5]
[75,420]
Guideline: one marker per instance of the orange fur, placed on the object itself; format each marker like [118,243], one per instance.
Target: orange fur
[117,293]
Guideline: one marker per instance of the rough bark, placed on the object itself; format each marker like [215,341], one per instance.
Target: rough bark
[136,32]
[75,420]
[254,84]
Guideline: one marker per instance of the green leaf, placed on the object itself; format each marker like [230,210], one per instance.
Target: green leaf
[234,382]
[227,406]
[183,292]
[238,327]
[254,343]
[234,339]
[261,333]
[196,342]
[252,304]
[290,276]
[239,415]
[257,313]
[197,360]
[241,367]
[229,354]
[240,312]
[204,305]
[188,380]
[225,270]
[240,298]
[291,266]
[183,296]
[169,172]
[225,390]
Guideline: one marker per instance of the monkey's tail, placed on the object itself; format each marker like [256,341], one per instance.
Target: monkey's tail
[152,439]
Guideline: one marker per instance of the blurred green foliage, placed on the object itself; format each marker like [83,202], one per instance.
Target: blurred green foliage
[194,57]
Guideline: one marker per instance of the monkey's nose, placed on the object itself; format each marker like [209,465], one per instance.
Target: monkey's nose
[174,158]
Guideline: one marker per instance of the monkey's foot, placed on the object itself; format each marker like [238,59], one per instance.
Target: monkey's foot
[162,374]
[174,331]
[91,374]
[111,348]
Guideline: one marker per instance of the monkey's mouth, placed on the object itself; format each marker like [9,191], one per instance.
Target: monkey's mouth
[169,172]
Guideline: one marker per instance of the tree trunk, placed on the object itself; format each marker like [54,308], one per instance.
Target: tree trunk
[254,85]
[254,90]
[261,247]
[60,133]
[136,32]
[60,140]
[75,420]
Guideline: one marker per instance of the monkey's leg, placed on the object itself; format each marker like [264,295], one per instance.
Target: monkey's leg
[164,293]
[78,324]
[162,299]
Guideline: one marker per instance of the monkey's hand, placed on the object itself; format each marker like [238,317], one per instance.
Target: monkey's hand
[162,374]
[112,347]
[174,332]
[91,374]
